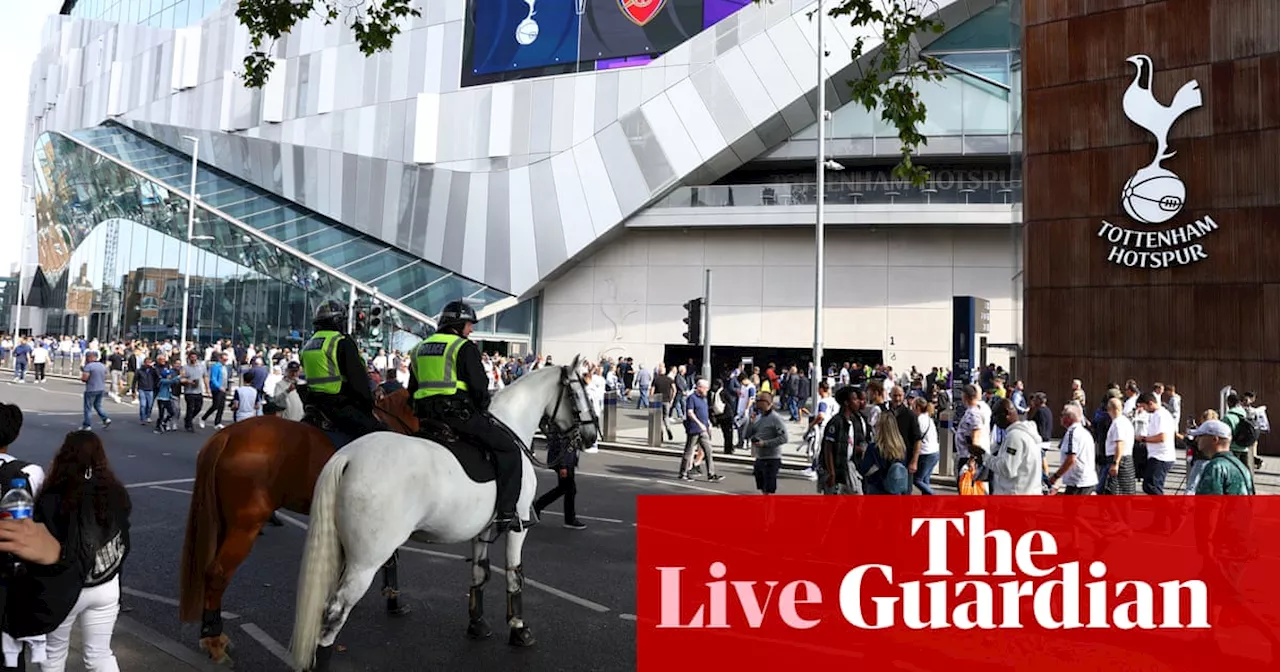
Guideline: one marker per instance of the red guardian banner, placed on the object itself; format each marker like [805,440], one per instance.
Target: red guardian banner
[989,584]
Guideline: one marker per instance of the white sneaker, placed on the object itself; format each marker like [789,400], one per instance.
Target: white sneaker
[201,423]
[592,450]
[217,426]
[810,474]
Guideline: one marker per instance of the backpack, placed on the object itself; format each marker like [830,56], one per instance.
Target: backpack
[897,481]
[1246,431]
[13,469]
[717,405]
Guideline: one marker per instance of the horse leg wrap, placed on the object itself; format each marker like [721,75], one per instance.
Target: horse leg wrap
[521,635]
[210,623]
[477,628]
[391,586]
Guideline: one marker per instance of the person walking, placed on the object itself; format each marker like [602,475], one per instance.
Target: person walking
[218,386]
[563,460]
[766,435]
[94,376]
[146,381]
[697,427]
[193,389]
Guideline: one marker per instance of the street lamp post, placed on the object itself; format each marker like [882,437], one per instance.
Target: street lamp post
[191,222]
[819,236]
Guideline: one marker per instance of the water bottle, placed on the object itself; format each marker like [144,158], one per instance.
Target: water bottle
[15,505]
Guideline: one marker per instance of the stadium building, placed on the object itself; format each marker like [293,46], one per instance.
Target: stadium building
[572,167]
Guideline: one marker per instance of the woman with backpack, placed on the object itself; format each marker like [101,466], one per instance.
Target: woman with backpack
[883,465]
[87,509]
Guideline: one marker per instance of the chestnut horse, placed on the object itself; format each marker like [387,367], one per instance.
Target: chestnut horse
[243,474]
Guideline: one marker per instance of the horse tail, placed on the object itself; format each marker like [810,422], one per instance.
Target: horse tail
[204,527]
[321,563]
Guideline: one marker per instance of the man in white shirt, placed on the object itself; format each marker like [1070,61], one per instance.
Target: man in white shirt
[1077,471]
[1159,439]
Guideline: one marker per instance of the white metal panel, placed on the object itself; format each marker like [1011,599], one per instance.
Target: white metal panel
[523,242]
[501,120]
[767,62]
[115,97]
[603,203]
[326,90]
[426,139]
[474,244]
[584,107]
[228,93]
[746,86]
[273,93]
[706,136]
[575,216]
[671,135]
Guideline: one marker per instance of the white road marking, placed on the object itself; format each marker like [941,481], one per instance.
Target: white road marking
[618,477]
[149,484]
[168,489]
[268,642]
[627,617]
[581,601]
[690,486]
[226,615]
[291,520]
[595,518]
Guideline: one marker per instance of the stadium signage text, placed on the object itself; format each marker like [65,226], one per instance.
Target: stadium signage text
[1058,599]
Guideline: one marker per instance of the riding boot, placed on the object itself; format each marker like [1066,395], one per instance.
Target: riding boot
[508,486]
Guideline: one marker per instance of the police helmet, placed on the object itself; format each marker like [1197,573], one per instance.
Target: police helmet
[457,313]
[331,314]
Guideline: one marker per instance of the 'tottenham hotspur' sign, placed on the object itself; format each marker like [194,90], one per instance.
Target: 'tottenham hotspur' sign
[1154,195]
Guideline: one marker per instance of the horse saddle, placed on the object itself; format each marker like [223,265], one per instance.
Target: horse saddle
[316,417]
[476,461]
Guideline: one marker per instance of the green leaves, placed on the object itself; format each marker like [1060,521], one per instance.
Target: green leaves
[375,24]
[893,68]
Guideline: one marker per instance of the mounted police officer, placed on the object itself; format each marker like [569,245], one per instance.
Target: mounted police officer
[337,380]
[449,385]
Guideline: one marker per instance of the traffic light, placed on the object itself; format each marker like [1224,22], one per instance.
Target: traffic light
[361,321]
[693,323]
[375,320]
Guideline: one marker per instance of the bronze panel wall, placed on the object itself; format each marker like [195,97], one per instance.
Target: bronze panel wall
[1199,326]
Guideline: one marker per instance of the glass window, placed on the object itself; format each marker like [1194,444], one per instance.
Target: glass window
[324,237]
[355,250]
[408,280]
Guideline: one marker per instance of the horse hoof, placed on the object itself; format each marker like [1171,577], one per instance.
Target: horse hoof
[217,648]
[479,630]
[395,608]
[521,637]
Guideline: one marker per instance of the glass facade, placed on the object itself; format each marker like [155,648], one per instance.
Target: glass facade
[153,13]
[111,245]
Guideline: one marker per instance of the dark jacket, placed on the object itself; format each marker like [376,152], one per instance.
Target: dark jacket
[99,549]
[833,456]
[148,378]
[558,454]
[357,389]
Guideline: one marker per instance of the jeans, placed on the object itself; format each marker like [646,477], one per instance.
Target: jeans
[93,401]
[1153,479]
[566,486]
[146,401]
[644,399]
[96,610]
[677,406]
[20,370]
[925,464]
[793,406]
[766,474]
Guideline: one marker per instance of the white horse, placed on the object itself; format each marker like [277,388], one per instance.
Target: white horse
[383,488]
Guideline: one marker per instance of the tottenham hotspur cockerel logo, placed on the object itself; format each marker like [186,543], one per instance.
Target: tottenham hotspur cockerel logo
[1155,194]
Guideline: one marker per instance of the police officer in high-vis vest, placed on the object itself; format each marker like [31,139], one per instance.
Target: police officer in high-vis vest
[448,384]
[337,379]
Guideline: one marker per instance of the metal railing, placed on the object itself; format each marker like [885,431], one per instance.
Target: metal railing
[844,193]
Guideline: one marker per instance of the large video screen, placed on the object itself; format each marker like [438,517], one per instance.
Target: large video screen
[516,39]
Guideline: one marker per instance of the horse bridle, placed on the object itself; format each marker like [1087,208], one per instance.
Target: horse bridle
[581,416]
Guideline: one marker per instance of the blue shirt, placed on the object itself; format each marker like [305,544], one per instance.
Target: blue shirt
[697,404]
[168,378]
[97,381]
[218,376]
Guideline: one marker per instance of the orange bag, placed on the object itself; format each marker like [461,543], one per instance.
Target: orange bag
[969,486]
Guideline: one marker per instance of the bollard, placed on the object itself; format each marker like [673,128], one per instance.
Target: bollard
[609,422]
[656,426]
[946,445]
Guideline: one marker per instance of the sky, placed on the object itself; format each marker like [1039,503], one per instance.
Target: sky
[19,43]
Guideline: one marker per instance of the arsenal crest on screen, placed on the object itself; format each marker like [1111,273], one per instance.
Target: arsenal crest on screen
[641,11]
